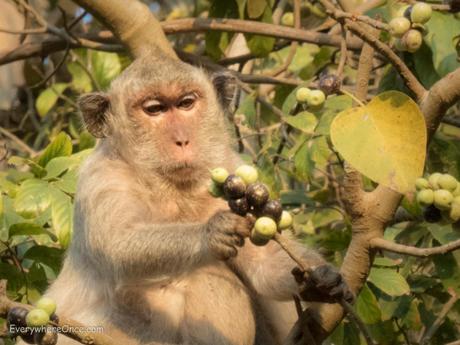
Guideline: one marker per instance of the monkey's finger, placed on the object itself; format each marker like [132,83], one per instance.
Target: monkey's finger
[243,229]
[227,252]
[239,241]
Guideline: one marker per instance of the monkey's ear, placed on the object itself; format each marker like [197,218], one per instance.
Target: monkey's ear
[226,85]
[94,109]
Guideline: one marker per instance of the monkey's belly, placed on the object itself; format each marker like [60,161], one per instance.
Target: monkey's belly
[208,306]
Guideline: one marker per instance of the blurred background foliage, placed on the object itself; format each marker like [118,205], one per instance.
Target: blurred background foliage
[45,143]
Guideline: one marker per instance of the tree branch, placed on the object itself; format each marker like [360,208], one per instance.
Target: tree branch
[132,22]
[381,243]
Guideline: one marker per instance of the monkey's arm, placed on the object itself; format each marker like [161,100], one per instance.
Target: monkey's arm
[268,269]
[118,234]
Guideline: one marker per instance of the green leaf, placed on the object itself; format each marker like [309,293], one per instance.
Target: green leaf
[256,8]
[61,216]
[304,121]
[57,166]
[320,152]
[367,307]
[32,198]
[106,66]
[48,98]
[384,140]
[302,162]
[261,45]
[442,29]
[26,229]
[81,81]
[241,7]
[51,257]
[389,281]
[60,146]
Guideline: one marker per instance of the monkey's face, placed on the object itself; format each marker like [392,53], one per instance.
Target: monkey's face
[168,120]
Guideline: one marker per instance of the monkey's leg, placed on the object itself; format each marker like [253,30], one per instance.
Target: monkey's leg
[218,309]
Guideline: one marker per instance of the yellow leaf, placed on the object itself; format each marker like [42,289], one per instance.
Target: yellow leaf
[384,140]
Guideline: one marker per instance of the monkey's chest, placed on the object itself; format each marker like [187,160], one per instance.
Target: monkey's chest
[192,210]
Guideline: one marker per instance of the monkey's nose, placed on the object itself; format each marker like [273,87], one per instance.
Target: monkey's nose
[182,143]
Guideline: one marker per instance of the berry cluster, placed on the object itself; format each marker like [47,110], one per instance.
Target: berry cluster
[408,27]
[249,198]
[440,194]
[313,98]
[21,321]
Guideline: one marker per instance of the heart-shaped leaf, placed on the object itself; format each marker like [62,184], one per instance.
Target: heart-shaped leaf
[384,140]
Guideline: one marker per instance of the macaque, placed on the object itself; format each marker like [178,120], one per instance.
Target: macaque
[154,258]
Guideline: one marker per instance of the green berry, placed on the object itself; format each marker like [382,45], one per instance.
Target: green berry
[412,39]
[257,240]
[215,190]
[422,183]
[442,198]
[399,26]
[219,175]
[316,98]
[456,192]
[421,13]
[287,19]
[454,212]
[433,180]
[447,182]
[400,46]
[302,94]
[37,317]
[47,304]
[248,173]
[285,221]
[265,227]
[425,197]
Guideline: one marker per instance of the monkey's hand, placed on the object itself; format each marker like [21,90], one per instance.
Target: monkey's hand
[323,284]
[224,232]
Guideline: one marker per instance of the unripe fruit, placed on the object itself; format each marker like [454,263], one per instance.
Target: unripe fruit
[46,338]
[316,98]
[432,215]
[422,183]
[425,197]
[442,198]
[219,175]
[302,94]
[401,11]
[330,84]
[288,19]
[234,187]
[447,182]
[47,304]
[456,192]
[285,221]
[433,180]
[412,39]
[272,209]
[257,195]
[256,239]
[454,213]
[37,317]
[421,13]
[215,190]
[265,227]
[248,173]
[399,26]
[54,318]
[239,206]
[400,46]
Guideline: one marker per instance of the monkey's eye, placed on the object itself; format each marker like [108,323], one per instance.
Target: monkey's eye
[187,102]
[153,107]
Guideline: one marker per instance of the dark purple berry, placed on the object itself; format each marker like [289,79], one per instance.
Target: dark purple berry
[234,187]
[239,206]
[272,209]
[330,84]
[431,214]
[257,195]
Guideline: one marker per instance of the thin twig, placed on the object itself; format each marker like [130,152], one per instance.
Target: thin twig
[440,319]
[383,244]
[21,144]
